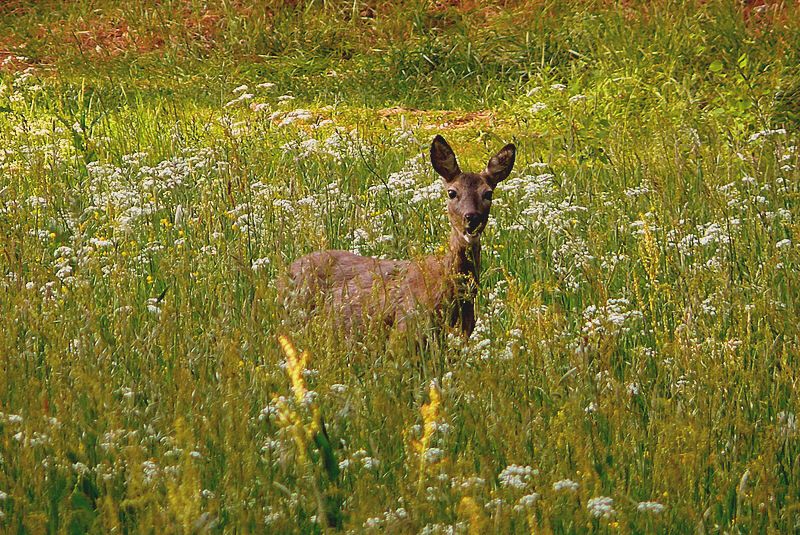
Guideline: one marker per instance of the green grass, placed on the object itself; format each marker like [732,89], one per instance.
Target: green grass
[638,331]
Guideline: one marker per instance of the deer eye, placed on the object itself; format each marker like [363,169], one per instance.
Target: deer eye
[487,196]
[452,193]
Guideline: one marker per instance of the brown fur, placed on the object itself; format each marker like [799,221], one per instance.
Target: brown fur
[357,289]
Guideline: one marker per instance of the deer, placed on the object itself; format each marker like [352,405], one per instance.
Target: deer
[358,289]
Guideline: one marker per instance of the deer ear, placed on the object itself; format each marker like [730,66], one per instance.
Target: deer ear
[444,159]
[500,165]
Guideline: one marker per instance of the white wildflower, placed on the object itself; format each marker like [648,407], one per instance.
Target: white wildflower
[373,522]
[433,455]
[767,133]
[602,506]
[80,468]
[37,202]
[526,502]
[260,264]
[708,307]
[516,476]
[63,251]
[565,485]
[650,507]
[370,463]
[614,317]
[153,306]
[101,243]
[467,483]
[64,272]
[240,98]
[150,471]
[271,517]
[493,505]
[642,189]
[296,115]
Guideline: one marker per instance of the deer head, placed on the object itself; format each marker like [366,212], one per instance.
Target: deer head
[470,194]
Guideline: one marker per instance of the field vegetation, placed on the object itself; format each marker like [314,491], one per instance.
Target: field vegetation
[637,356]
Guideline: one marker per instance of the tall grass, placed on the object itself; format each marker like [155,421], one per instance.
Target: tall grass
[634,365]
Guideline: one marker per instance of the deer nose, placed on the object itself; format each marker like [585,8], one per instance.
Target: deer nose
[473,219]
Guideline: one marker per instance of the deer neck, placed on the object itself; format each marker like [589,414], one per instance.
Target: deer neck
[463,261]
[462,265]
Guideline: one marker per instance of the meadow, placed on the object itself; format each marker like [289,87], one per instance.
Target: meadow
[635,364]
